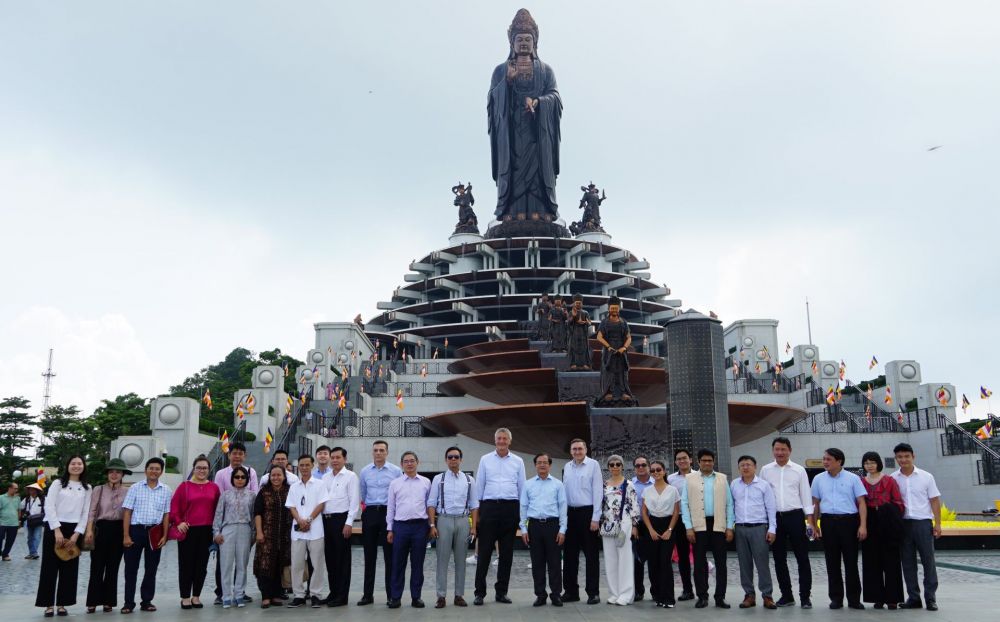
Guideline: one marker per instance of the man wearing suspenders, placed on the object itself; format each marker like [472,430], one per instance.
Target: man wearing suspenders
[449,505]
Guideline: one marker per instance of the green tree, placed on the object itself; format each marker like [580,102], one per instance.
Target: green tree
[15,431]
[124,415]
[64,433]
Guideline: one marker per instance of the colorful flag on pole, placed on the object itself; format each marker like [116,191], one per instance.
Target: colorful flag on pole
[815,368]
[788,347]
[399,399]
[225,442]
[830,396]
[985,432]
[288,405]
[767,355]
[251,403]
[874,363]
[868,413]
[268,439]
[840,393]
[984,393]
[736,367]
[285,369]
[423,370]
[239,411]
[843,369]
[342,402]
[207,398]
[899,415]
[778,367]
[302,397]
[965,403]
[942,396]
[888,396]
[40,478]
[756,367]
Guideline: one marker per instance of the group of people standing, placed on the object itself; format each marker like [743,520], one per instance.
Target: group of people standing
[300,525]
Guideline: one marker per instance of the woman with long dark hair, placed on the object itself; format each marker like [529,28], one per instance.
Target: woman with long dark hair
[104,536]
[273,524]
[661,509]
[881,567]
[67,507]
[192,509]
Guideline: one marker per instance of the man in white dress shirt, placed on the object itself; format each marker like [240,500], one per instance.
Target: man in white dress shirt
[343,490]
[794,497]
[279,458]
[306,499]
[921,526]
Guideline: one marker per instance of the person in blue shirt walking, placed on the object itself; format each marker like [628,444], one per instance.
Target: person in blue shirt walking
[543,528]
[839,499]
[374,490]
[709,517]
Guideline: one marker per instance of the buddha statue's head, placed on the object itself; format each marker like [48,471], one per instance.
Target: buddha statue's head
[523,35]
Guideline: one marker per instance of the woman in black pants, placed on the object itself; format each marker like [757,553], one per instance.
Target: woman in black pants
[104,535]
[192,509]
[66,509]
[660,513]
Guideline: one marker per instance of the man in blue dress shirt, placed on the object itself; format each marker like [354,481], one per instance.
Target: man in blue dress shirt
[839,499]
[408,526]
[543,528]
[584,483]
[756,526]
[499,483]
[374,489]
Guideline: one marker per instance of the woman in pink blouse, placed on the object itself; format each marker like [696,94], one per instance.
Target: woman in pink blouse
[192,510]
[881,567]
[104,536]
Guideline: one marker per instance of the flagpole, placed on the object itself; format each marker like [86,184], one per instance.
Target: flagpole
[809,322]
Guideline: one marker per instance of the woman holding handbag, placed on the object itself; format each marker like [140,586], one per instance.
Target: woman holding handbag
[66,517]
[619,518]
[192,509]
[104,538]
[234,534]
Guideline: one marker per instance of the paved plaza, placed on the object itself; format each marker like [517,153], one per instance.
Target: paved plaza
[967,594]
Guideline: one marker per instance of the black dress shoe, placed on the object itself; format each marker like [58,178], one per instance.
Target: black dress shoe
[855,606]
[686,596]
[295,603]
[503,598]
[836,605]
[393,603]
[316,602]
[556,601]
[701,604]
[417,603]
[478,601]
[721,604]
[365,600]
[570,598]
[785,601]
[638,596]
[539,601]
[336,603]
[806,603]
[594,600]
[932,605]
[911,604]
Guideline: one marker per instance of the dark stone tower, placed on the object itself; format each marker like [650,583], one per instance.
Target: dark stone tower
[699,411]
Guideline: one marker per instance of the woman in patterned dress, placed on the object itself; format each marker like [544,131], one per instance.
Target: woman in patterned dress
[274,537]
[618,526]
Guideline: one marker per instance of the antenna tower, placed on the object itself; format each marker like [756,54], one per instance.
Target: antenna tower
[48,375]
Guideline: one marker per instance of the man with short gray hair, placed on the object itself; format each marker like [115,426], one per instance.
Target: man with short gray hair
[499,483]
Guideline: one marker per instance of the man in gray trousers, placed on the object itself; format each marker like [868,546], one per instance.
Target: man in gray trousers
[450,503]
[756,526]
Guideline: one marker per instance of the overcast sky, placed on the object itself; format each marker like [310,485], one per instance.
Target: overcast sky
[181,178]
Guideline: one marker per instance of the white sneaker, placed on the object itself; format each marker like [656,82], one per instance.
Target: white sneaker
[471,559]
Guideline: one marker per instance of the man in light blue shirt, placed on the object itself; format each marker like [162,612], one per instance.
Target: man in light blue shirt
[839,498]
[451,501]
[543,528]
[756,526]
[499,483]
[373,486]
[584,484]
[146,505]
[706,502]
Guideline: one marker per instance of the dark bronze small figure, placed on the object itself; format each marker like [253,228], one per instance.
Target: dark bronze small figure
[467,221]
[590,203]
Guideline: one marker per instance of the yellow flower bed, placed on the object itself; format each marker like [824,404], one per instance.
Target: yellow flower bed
[970,524]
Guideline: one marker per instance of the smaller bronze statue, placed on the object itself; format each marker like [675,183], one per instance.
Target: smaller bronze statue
[467,221]
[578,330]
[590,203]
[557,325]
[542,309]
[616,338]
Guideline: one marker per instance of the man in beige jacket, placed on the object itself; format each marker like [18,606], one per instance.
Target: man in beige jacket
[708,515]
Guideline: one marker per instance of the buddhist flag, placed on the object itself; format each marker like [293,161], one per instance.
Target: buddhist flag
[239,411]
[285,369]
[873,363]
[302,397]
[778,367]
[843,369]
[288,405]
[268,439]
[756,367]
[736,367]
[225,442]
[40,478]
[984,393]
[423,370]
[830,396]
[815,368]
[965,403]
[207,398]
[942,396]
[354,355]
[342,402]
[840,393]
[888,396]
[767,355]
[899,415]
[251,403]
[788,347]
[868,413]
[399,399]
[985,432]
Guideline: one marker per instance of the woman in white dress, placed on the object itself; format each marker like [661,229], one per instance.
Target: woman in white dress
[619,517]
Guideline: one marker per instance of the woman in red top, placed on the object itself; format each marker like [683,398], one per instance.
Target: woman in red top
[881,570]
[192,509]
